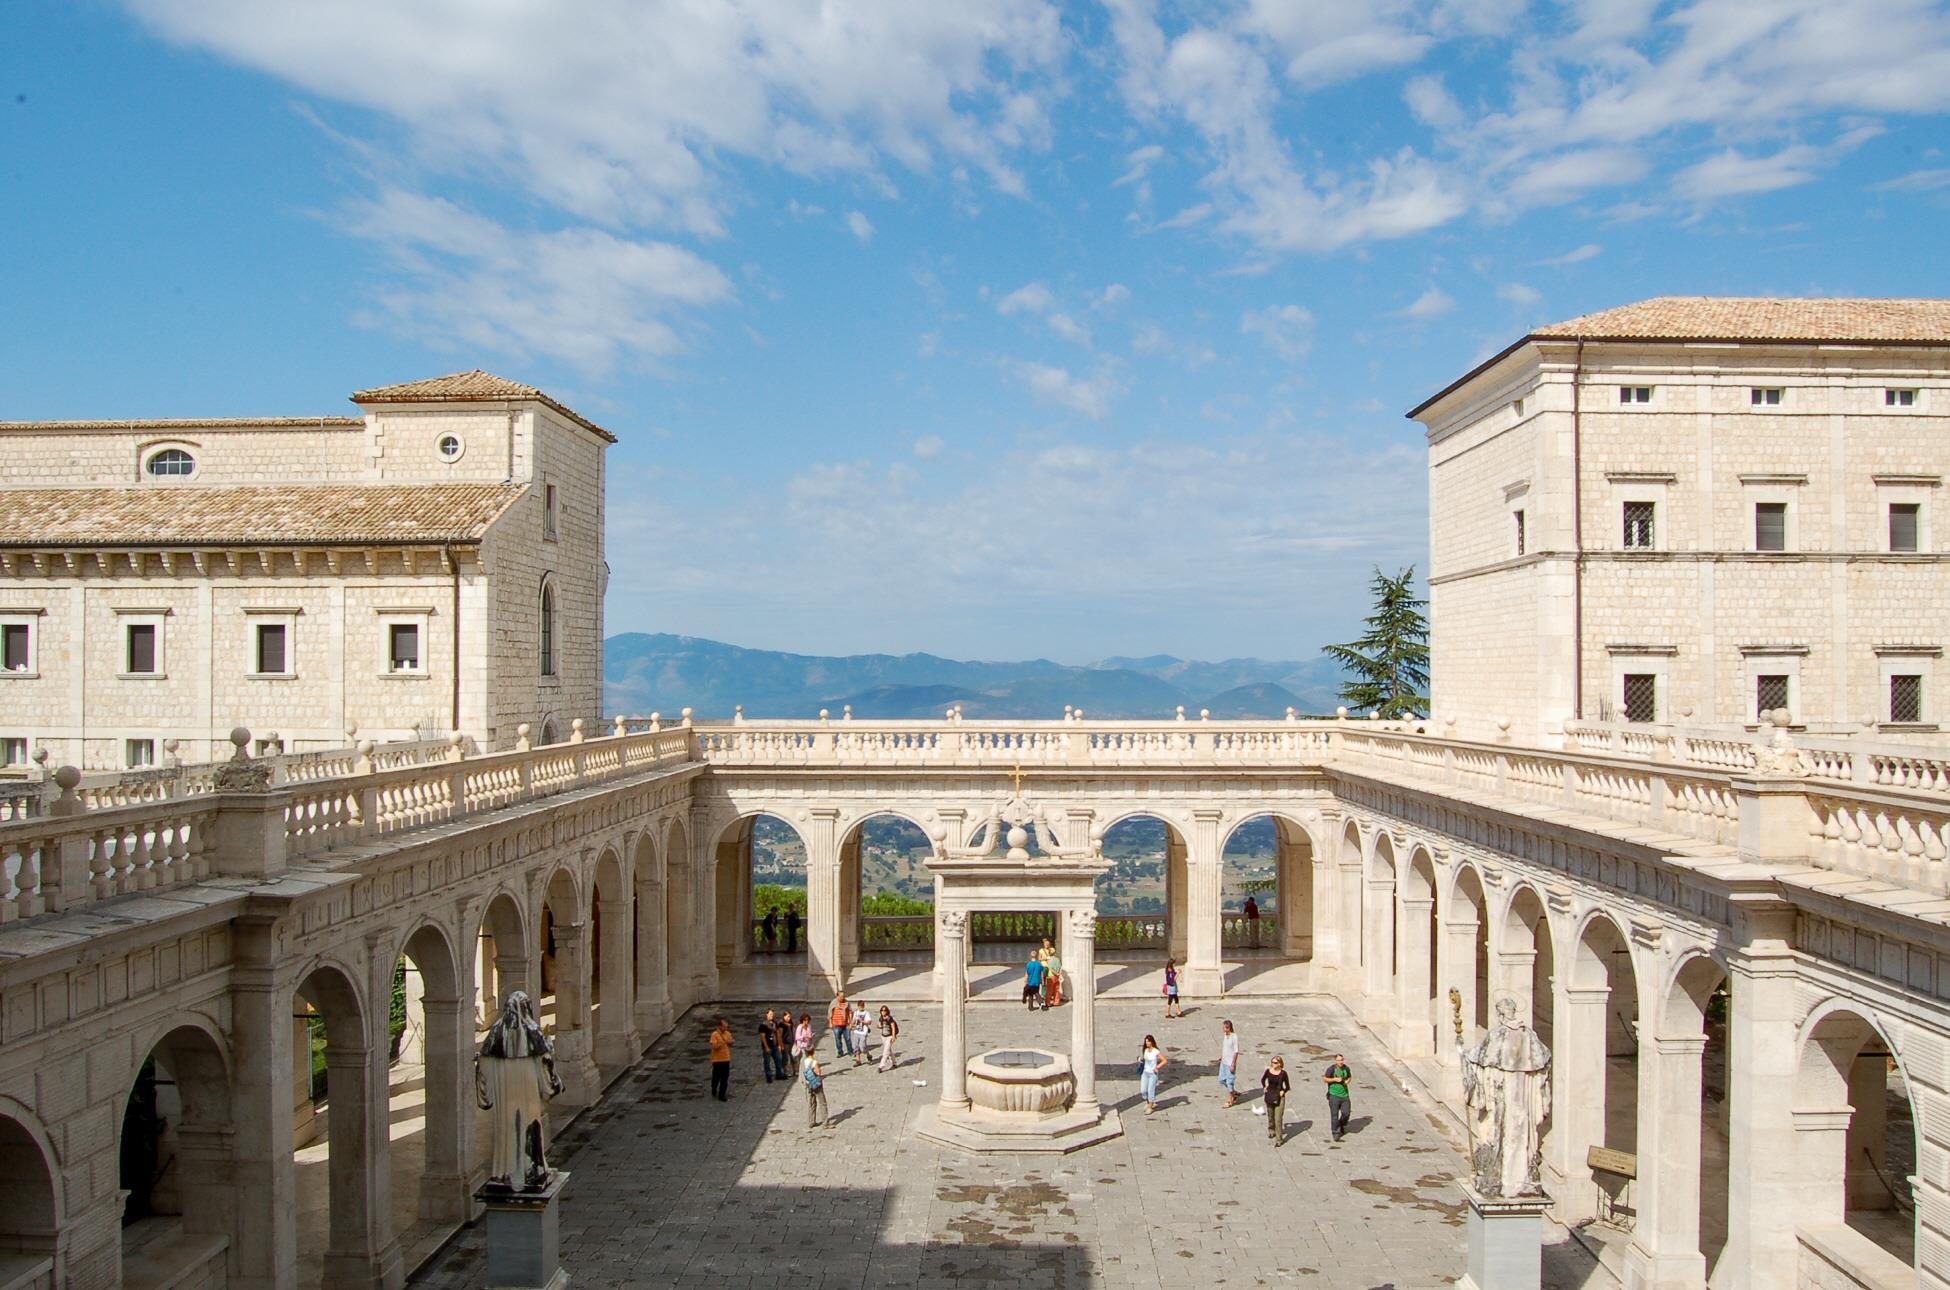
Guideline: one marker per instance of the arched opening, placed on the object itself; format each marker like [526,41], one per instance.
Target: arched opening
[174,1159]
[1465,958]
[1348,899]
[760,872]
[546,630]
[502,957]
[886,892]
[30,1225]
[564,1004]
[1416,968]
[1599,1057]
[344,1238]
[1141,899]
[682,943]
[1526,962]
[1267,860]
[1855,1139]
[430,1106]
[1378,923]
[611,933]
[650,984]
[551,733]
[1689,1045]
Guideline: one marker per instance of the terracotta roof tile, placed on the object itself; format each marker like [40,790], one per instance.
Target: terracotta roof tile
[1760,318]
[189,515]
[467,387]
[193,423]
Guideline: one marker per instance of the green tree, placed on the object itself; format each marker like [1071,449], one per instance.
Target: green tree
[1390,662]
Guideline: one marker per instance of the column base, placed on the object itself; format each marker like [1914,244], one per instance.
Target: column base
[1645,1270]
[614,1052]
[446,1198]
[524,1237]
[652,1020]
[1201,982]
[582,1082]
[1506,1242]
[981,1133]
[384,1270]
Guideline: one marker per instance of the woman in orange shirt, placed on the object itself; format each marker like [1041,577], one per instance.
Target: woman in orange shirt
[721,1061]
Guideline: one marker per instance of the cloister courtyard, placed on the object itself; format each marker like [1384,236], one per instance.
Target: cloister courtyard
[671,1188]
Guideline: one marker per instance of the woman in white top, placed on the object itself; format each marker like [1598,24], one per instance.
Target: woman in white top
[1151,1060]
[862,1028]
[1229,1062]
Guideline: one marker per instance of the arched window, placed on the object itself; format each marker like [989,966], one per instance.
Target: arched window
[548,628]
[171,462]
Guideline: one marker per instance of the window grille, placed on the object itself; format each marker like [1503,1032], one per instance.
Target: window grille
[1638,525]
[548,631]
[1641,696]
[1905,699]
[1770,693]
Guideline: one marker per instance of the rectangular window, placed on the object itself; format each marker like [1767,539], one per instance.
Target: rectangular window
[1905,699]
[1638,525]
[140,655]
[1635,394]
[138,752]
[1903,525]
[1520,532]
[403,646]
[1899,398]
[17,647]
[548,510]
[1641,696]
[13,751]
[1770,526]
[271,645]
[1770,694]
[1765,396]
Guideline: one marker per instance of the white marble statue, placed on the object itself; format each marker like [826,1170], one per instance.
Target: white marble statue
[514,1076]
[1507,1082]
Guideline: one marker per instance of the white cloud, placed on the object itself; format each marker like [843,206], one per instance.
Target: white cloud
[1432,303]
[1916,181]
[1139,162]
[1519,294]
[1030,298]
[1287,330]
[928,447]
[1092,396]
[859,225]
[1577,255]
[581,295]
[1069,328]
[1731,174]
[1113,295]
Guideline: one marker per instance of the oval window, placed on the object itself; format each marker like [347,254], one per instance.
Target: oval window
[450,447]
[172,461]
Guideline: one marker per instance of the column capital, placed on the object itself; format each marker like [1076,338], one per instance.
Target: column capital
[953,923]
[1678,1045]
[824,812]
[1208,814]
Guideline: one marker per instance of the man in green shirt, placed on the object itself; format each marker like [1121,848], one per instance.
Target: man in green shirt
[1337,1078]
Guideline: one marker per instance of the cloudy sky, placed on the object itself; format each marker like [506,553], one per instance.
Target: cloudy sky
[994,329]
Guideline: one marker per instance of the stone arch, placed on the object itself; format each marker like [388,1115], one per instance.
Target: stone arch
[564,1003]
[1123,921]
[732,858]
[1526,957]
[649,980]
[357,1229]
[504,953]
[429,1075]
[1854,1133]
[1597,1053]
[1418,971]
[1465,952]
[31,1215]
[1349,895]
[173,1139]
[611,937]
[1378,935]
[682,944]
[1291,911]
[857,936]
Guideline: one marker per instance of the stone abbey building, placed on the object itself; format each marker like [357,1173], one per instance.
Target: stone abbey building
[1734,934]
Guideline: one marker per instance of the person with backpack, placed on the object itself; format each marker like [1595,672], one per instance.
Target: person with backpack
[1275,1085]
[1032,982]
[815,1083]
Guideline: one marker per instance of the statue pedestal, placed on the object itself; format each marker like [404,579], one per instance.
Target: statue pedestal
[1506,1242]
[524,1247]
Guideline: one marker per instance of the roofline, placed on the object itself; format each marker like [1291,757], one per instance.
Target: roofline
[193,423]
[363,400]
[1571,338]
[251,544]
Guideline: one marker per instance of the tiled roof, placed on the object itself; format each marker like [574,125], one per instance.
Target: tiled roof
[188,515]
[1760,318]
[194,423]
[469,387]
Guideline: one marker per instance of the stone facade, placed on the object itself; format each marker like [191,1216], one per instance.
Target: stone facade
[1577,422]
[457,544]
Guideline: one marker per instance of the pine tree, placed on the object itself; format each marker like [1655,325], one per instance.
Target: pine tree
[1390,662]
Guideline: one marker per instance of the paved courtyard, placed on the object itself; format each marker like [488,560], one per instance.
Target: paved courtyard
[673,1189]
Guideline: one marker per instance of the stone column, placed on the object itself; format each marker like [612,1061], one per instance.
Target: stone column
[581,1082]
[446,1190]
[823,971]
[1868,1094]
[1664,1253]
[360,1250]
[1080,961]
[1415,1031]
[264,1235]
[951,927]
[616,1039]
[1578,1096]
[1764,1173]
[652,981]
[1205,883]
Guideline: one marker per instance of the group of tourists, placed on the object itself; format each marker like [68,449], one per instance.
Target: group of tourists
[788,1049]
[768,930]
[1275,1084]
[1042,978]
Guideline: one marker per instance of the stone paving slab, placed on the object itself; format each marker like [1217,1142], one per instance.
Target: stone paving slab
[672,1188]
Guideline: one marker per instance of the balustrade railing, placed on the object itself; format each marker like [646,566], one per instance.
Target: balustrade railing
[52,864]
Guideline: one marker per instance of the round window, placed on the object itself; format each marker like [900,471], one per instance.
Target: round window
[172,461]
[451,447]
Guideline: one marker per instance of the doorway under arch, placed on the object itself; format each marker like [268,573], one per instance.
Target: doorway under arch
[886,892]
[759,868]
[1141,899]
[30,1216]
[1269,860]
[1855,1139]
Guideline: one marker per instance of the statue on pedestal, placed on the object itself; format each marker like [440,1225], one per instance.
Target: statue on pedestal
[514,1076]
[1507,1083]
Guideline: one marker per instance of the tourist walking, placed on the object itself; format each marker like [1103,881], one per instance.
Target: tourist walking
[1032,982]
[1274,1086]
[768,1045]
[840,1019]
[1151,1060]
[889,1031]
[721,1061]
[769,925]
[802,1037]
[1229,1062]
[1338,1105]
[1252,922]
[815,1083]
[1053,980]
[783,1033]
[862,1032]
[1171,990]
[792,930]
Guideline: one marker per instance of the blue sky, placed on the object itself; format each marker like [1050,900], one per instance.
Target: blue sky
[996,330]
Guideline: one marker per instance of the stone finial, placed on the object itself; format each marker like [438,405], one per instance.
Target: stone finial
[362,764]
[241,737]
[351,731]
[738,714]
[67,779]
[656,722]
[1374,715]
[1340,713]
[522,732]
[575,731]
[1079,714]
[1503,727]
[823,716]
[622,726]
[1067,710]
[686,714]
[1181,712]
[240,774]
[1205,714]
[846,713]
[1292,714]
[948,713]
[456,746]
[171,748]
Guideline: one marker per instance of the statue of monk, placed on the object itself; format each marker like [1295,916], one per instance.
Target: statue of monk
[514,1076]
[1507,1083]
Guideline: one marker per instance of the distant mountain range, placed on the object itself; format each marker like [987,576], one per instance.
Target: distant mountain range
[645,673]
